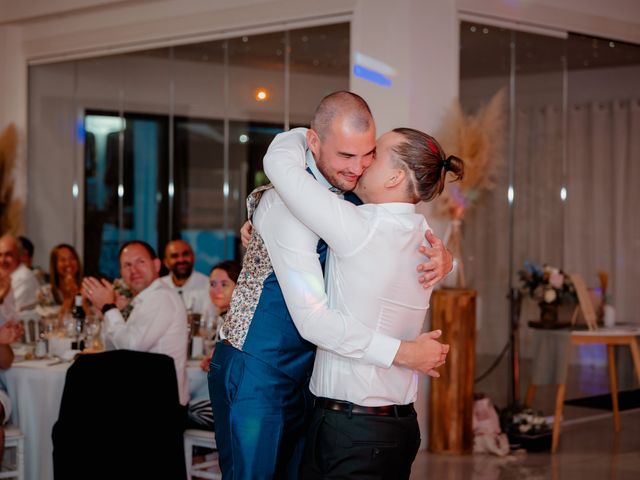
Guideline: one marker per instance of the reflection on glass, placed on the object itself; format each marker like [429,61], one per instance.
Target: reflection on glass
[134,187]
[171,140]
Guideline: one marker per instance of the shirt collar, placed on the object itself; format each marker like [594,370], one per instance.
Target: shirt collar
[311,164]
[398,207]
[156,284]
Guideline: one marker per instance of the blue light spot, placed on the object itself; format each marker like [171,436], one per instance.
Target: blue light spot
[80,132]
[371,75]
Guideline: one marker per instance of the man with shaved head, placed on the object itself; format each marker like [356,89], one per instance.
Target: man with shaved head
[259,372]
[191,285]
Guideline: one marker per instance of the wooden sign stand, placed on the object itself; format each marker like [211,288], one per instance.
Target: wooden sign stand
[584,303]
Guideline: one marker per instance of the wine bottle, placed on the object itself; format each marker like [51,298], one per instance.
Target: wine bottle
[79,316]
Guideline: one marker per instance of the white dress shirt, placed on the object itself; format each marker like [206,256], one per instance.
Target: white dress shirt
[370,274]
[157,324]
[194,292]
[25,285]
[8,308]
[292,251]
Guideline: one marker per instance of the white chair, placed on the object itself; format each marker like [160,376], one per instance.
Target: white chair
[200,438]
[13,462]
[31,323]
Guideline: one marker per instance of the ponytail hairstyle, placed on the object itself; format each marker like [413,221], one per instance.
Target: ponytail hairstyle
[422,157]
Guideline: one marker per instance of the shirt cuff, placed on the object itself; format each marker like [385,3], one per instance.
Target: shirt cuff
[382,350]
[113,317]
[454,265]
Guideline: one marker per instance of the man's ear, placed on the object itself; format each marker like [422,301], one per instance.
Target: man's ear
[157,264]
[313,141]
[396,177]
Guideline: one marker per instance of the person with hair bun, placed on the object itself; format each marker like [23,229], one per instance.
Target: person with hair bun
[371,277]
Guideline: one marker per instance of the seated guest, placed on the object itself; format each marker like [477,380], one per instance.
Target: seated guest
[223,279]
[24,283]
[192,286]
[158,320]
[65,280]
[27,258]
[10,331]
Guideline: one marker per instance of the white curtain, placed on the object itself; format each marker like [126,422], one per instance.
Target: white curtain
[596,228]
[602,231]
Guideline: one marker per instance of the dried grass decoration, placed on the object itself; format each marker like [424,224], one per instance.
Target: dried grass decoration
[10,208]
[478,140]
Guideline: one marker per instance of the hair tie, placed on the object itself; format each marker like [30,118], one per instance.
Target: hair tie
[446,164]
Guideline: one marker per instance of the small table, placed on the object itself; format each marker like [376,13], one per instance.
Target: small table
[611,337]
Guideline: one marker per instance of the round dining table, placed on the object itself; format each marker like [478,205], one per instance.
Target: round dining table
[35,388]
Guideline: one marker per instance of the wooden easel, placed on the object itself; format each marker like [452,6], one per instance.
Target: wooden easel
[584,303]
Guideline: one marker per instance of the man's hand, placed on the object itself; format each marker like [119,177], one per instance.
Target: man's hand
[440,261]
[424,354]
[5,285]
[245,233]
[99,292]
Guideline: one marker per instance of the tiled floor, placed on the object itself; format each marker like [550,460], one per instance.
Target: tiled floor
[588,450]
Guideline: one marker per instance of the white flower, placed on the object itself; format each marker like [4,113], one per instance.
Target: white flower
[550,295]
[556,279]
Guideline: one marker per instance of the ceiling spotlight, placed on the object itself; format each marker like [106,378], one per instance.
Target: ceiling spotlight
[243,138]
[262,94]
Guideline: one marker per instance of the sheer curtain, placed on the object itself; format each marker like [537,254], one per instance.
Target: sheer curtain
[602,231]
[595,229]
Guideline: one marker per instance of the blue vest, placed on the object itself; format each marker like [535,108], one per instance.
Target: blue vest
[273,337]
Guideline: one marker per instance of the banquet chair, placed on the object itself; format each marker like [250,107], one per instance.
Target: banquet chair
[13,447]
[194,437]
[31,323]
[120,417]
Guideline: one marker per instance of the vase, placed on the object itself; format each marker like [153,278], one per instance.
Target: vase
[548,313]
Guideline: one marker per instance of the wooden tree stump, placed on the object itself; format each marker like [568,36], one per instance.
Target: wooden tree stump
[453,311]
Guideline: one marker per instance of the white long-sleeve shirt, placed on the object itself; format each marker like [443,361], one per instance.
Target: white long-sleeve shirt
[157,324]
[194,292]
[292,251]
[370,274]
[25,286]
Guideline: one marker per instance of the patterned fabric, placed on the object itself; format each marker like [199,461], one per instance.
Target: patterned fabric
[256,267]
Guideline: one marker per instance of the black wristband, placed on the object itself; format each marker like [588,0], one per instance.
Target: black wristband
[108,306]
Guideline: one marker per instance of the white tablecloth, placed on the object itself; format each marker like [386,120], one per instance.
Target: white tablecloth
[35,388]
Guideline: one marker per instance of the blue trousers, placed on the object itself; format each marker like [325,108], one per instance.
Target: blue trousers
[260,417]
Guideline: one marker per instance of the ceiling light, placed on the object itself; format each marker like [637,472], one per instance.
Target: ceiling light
[261,94]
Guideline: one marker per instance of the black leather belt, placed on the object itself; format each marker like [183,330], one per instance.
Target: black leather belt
[352,408]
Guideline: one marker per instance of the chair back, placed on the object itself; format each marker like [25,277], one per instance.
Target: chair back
[120,417]
[31,324]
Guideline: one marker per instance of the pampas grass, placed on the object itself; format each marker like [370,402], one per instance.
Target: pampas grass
[10,208]
[479,141]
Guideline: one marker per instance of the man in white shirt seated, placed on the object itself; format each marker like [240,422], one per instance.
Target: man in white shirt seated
[158,321]
[24,283]
[10,331]
[193,286]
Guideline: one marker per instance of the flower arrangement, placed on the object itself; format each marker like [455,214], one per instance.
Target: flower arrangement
[529,422]
[478,139]
[547,284]
[526,428]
